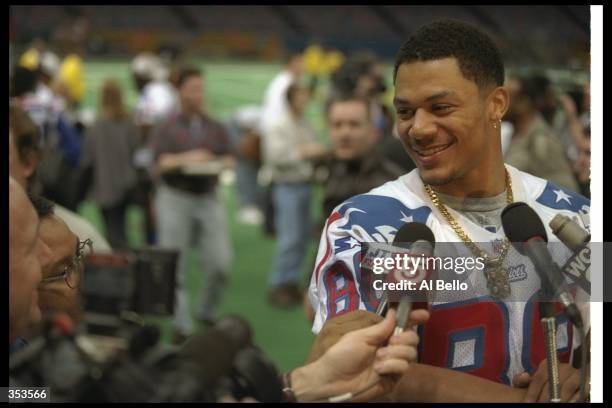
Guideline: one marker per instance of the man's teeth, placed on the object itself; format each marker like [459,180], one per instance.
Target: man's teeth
[432,151]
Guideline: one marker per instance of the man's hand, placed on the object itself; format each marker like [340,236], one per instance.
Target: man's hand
[197,156]
[313,151]
[537,384]
[335,328]
[171,161]
[360,360]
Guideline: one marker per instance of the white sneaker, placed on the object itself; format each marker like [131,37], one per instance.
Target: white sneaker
[250,215]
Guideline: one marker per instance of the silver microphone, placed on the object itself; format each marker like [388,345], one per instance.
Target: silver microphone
[569,232]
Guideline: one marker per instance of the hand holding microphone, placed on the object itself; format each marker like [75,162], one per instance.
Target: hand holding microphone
[364,364]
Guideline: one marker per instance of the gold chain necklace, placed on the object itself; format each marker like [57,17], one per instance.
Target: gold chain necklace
[496,274]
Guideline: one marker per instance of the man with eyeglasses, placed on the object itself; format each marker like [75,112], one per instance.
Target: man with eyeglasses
[61,276]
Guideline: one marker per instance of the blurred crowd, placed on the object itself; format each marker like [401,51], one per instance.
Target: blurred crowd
[166,154]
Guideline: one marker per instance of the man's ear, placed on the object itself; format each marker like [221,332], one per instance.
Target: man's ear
[498,103]
[30,162]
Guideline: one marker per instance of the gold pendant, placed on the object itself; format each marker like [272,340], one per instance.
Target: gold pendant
[497,280]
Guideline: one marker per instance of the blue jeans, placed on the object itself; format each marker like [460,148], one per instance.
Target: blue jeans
[292,221]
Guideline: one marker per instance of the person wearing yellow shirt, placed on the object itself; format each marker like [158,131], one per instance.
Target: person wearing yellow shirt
[71,74]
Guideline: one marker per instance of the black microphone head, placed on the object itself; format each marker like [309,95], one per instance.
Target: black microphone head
[237,329]
[143,340]
[521,223]
[212,352]
[414,231]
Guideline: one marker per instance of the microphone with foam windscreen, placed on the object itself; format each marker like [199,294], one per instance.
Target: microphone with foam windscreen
[423,243]
[525,230]
[212,353]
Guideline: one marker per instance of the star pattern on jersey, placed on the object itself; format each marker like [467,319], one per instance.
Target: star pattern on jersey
[561,195]
[353,242]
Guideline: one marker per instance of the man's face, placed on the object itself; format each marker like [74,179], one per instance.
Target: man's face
[63,244]
[27,256]
[442,120]
[192,93]
[350,130]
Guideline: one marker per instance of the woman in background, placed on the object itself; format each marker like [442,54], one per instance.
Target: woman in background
[108,150]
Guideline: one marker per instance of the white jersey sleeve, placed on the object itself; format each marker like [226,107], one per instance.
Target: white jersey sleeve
[373,217]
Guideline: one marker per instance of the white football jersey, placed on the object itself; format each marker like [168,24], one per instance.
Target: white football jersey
[491,338]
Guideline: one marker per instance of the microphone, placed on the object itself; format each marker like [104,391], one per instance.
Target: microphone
[569,232]
[525,230]
[576,239]
[423,243]
[212,354]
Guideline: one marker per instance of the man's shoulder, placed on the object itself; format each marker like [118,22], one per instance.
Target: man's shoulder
[549,199]
[384,166]
[384,208]
[551,195]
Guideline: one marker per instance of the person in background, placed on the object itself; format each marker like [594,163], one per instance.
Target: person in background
[24,159]
[356,165]
[188,198]
[363,75]
[245,131]
[275,103]
[59,178]
[157,101]
[534,149]
[573,124]
[289,146]
[109,147]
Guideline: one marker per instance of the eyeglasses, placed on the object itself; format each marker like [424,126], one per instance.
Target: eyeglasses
[74,269]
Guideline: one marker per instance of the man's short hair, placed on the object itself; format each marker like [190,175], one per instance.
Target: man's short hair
[345,97]
[22,82]
[478,57]
[534,86]
[26,134]
[43,206]
[187,73]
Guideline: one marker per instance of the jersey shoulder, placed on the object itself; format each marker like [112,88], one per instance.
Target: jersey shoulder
[379,213]
[549,199]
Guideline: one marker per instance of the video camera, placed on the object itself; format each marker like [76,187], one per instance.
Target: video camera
[126,285]
[115,357]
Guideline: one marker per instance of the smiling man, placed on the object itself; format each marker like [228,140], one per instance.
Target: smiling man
[450,98]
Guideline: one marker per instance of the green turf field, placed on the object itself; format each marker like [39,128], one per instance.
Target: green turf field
[284,335]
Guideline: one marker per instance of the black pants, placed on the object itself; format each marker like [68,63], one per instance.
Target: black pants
[114,218]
